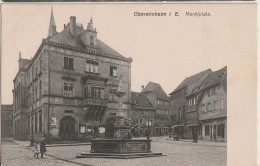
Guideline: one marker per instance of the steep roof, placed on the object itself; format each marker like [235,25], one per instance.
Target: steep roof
[157,90]
[187,81]
[65,37]
[215,78]
[212,79]
[140,100]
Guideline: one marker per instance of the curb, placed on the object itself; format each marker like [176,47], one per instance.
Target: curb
[69,161]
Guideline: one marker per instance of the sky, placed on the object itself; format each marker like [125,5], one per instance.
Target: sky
[164,50]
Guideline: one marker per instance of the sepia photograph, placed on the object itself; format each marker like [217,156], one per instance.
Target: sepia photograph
[128,84]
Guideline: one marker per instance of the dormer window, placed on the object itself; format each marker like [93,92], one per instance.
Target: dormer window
[91,40]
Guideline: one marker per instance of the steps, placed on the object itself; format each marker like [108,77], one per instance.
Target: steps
[119,155]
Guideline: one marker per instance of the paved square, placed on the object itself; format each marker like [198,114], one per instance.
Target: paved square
[179,153]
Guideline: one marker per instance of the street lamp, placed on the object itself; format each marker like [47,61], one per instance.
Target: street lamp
[148,118]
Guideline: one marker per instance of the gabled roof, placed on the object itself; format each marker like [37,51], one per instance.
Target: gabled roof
[214,78]
[140,100]
[157,90]
[187,81]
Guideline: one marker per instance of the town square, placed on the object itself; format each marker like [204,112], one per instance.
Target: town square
[90,90]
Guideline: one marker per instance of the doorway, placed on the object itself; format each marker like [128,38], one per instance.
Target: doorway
[67,128]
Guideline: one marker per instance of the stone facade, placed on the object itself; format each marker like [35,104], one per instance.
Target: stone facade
[72,83]
[6,121]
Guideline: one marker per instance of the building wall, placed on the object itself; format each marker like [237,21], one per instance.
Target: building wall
[47,75]
[6,121]
[141,128]
[214,117]
[180,102]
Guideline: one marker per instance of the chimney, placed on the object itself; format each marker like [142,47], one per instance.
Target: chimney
[142,88]
[73,25]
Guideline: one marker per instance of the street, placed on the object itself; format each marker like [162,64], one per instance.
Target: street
[183,153]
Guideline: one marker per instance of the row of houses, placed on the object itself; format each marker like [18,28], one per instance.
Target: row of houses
[75,84]
[199,106]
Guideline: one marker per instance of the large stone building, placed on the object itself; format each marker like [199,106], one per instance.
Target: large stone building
[6,121]
[178,110]
[160,101]
[142,115]
[71,86]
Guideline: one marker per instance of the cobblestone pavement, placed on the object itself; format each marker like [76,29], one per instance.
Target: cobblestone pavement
[179,153]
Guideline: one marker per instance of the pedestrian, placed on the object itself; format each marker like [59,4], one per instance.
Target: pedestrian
[42,147]
[36,149]
[195,137]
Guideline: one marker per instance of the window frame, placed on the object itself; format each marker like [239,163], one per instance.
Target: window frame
[90,70]
[111,72]
[68,65]
[72,91]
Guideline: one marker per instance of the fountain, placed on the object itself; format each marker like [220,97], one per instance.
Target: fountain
[118,142]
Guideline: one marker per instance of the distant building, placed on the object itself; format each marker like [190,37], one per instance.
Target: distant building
[71,86]
[6,121]
[179,104]
[213,106]
[160,101]
[142,115]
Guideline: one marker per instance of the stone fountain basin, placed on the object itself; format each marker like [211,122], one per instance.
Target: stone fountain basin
[121,146]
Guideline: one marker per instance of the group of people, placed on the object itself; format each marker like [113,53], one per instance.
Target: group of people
[39,147]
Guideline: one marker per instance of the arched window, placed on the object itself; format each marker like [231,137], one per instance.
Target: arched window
[91,40]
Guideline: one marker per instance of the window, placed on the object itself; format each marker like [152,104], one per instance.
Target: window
[68,89]
[40,121]
[92,66]
[112,97]
[140,120]
[219,130]
[68,63]
[207,130]
[113,70]
[99,92]
[184,113]
[40,88]
[216,105]
[91,40]
[222,104]
[36,122]
[180,113]
[209,107]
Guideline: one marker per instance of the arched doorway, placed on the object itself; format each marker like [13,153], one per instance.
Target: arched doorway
[67,128]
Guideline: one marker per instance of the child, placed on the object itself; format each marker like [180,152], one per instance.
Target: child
[36,149]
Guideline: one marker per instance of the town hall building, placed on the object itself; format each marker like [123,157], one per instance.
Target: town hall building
[72,85]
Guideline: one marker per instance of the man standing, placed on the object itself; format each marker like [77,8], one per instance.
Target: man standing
[42,147]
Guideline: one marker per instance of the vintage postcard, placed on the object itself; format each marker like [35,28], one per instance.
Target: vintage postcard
[129,84]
